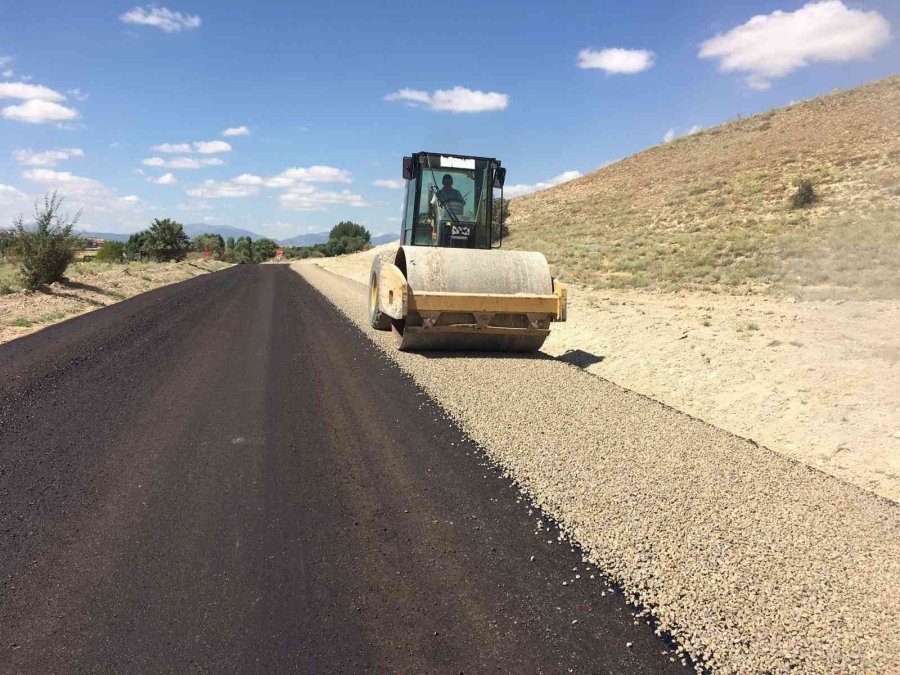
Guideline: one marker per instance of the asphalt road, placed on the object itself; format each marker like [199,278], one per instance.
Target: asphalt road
[224,474]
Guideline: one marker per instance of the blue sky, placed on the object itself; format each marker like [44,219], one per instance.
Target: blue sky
[112,103]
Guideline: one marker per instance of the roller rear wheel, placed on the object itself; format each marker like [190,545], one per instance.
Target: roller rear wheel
[378,319]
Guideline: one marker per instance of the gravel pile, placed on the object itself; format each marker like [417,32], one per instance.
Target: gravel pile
[750,561]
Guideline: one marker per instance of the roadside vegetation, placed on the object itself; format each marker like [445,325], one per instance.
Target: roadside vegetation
[802,200]
[345,237]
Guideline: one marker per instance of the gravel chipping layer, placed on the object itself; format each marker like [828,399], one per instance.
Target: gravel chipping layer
[751,562]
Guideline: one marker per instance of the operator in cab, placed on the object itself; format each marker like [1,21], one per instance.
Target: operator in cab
[448,193]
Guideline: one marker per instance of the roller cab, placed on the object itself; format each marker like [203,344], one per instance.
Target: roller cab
[449,286]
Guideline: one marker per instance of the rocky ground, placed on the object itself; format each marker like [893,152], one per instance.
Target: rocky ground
[813,380]
[753,562]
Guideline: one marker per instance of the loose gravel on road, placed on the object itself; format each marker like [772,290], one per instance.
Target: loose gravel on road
[750,561]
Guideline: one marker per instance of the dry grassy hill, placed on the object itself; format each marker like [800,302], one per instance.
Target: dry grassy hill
[713,210]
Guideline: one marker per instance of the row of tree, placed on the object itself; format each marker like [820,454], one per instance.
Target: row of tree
[345,237]
[45,249]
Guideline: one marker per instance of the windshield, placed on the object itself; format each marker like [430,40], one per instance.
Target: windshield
[455,192]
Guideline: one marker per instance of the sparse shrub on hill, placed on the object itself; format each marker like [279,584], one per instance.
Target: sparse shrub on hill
[45,250]
[501,206]
[111,251]
[805,194]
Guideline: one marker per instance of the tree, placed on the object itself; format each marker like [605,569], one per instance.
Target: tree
[500,206]
[111,251]
[228,254]
[349,229]
[139,246]
[209,242]
[44,251]
[264,249]
[243,250]
[168,240]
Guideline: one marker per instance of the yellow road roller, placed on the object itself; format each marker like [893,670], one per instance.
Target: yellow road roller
[450,286]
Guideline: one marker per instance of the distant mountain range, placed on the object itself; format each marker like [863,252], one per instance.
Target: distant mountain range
[193,229]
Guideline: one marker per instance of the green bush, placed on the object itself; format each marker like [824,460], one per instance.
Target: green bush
[139,246]
[44,251]
[349,229]
[264,249]
[111,251]
[243,251]
[805,194]
[214,243]
[228,254]
[168,240]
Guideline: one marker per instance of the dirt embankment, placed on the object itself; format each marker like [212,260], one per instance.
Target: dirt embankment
[90,286]
[813,380]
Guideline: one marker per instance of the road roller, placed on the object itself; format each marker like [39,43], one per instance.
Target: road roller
[450,285]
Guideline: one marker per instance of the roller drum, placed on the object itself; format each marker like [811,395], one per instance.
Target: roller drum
[490,272]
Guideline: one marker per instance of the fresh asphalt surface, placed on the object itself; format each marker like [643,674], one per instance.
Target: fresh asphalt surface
[225,475]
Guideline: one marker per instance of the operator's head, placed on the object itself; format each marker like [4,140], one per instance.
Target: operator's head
[447,180]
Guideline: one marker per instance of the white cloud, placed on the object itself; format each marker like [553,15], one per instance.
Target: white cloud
[160,17]
[669,135]
[313,174]
[9,194]
[77,94]
[211,147]
[773,45]
[8,73]
[211,189]
[617,61]
[457,100]
[172,147]
[165,179]
[92,197]
[6,60]
[388,183]
[522,188]
[29,92]
[47,158]
[195,206]
[38,111]
[300,192]
[236,131]
[40,104]
[696,129]
[248,179]
[183,162]
[70,185]
[305,197]
[203,147]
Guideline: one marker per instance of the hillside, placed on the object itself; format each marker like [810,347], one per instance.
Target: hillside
[713,210]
